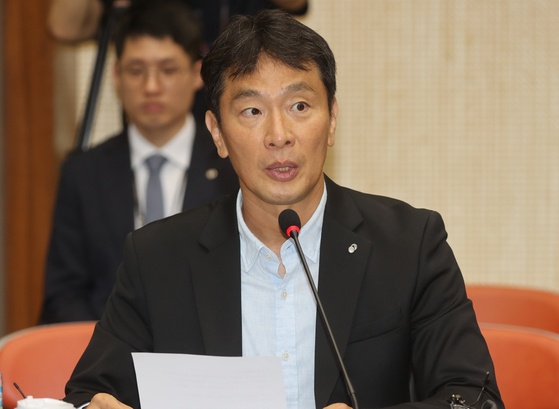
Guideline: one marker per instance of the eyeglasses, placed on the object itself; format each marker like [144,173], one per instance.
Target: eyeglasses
[166,76]
[456,401]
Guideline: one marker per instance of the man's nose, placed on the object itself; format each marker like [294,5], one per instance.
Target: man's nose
[278,131]
[152,81]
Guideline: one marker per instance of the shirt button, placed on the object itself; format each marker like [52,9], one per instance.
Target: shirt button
[268,256]
[285,356]
[284,294]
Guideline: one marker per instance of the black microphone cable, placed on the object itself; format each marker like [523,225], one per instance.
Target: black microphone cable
[290,224]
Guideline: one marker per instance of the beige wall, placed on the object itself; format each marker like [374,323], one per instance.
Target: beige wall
[454,105]
[449,105]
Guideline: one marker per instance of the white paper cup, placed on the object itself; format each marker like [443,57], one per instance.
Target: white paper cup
[44,403]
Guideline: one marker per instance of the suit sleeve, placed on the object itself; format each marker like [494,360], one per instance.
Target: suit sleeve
[449,355]
[67,276]
[106,365]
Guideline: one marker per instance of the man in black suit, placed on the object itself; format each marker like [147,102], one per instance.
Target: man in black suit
[103,193]
[224,279]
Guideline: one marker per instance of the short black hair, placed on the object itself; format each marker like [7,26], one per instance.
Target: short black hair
[275,33]
[160,19]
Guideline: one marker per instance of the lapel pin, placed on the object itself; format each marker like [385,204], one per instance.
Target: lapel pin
[211,173]
[352,248]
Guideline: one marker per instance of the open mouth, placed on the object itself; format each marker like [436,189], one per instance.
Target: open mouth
[282,171]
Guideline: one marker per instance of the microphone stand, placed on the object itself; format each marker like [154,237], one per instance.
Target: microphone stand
[294,234]
[83,140]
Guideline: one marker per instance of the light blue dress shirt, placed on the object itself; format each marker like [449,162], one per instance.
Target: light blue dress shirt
[279,314]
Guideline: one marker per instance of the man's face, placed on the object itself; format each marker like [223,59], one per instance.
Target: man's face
[276,128]
[156,81]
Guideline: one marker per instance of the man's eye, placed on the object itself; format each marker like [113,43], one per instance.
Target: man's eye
[252,111]
[135,72]
[170,71]
[300,106]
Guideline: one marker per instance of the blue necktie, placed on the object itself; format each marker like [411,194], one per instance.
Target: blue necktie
[154,193]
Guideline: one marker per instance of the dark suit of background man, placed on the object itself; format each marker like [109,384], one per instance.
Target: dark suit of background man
[223,279]
[102,193]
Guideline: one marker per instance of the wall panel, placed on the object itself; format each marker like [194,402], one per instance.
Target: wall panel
[454,106]
[29,168]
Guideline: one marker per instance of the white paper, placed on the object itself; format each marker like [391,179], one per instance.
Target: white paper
[210,382]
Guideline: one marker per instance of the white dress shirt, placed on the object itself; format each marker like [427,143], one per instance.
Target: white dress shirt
[279,314]
[178,152]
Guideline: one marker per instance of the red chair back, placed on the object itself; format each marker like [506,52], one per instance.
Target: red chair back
[526,365]
[41,359]
[515,306]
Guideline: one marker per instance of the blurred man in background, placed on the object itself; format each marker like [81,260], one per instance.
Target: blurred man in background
[161,163]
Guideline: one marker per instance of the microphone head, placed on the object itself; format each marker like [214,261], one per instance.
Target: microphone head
[289,221]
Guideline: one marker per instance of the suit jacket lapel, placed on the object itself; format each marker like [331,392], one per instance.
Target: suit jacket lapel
[341,273]
[216,277]
[203,150]
[117,187]
[217,283]
[197,167]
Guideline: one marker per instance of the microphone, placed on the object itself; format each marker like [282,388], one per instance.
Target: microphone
[290,224]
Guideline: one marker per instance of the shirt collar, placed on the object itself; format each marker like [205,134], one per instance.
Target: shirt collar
[309,237]
[177,151]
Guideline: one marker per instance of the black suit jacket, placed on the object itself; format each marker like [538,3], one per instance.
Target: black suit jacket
[94,213]
[397,305]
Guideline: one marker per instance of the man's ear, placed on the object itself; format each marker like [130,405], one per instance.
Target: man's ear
[198,82]
[215,130]
[333,122]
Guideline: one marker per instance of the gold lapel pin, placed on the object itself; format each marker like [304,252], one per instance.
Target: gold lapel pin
[211,173]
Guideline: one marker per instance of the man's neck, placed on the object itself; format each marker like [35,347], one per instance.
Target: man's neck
[262,218]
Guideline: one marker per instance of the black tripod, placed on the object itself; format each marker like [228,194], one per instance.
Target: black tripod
[83,140]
